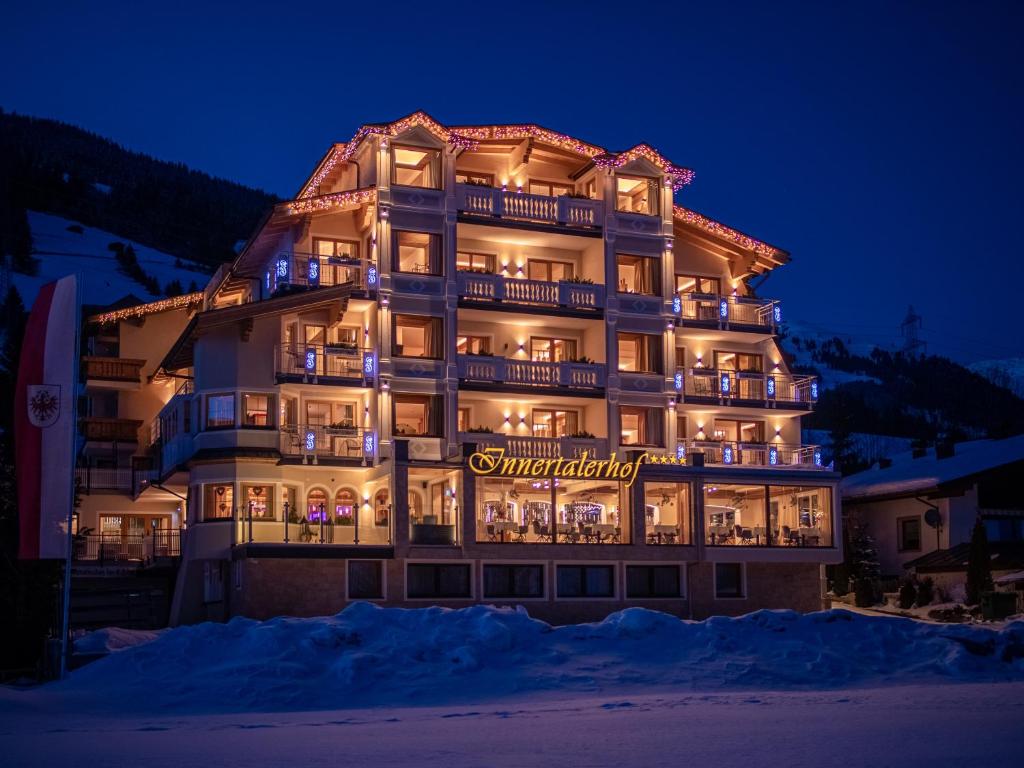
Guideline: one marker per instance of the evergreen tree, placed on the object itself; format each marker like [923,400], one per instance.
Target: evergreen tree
[979,565]
[863,565]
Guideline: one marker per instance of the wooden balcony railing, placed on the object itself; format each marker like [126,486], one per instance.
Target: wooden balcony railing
[112,369]
[498,203]
[119,430]
[531,373]
[479,286]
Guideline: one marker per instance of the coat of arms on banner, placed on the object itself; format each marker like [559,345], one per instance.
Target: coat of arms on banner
[43,404]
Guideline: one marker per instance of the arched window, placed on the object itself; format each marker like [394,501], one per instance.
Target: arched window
[381,507]
[316,503]
[345,505]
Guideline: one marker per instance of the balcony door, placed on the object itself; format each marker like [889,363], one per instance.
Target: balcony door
[552,350]
[554,423]
[550,271]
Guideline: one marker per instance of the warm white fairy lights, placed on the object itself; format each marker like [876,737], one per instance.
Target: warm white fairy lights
[720,230]
[142,310]
[352,197]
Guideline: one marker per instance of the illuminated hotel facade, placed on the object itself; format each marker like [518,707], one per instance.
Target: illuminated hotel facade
[465,364]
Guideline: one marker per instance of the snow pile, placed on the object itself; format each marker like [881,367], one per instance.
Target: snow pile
[372,656]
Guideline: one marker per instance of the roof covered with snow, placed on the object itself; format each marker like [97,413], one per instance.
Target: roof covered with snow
[908,475]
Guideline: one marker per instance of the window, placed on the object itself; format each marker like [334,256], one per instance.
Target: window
[682,426]
[696,284]
[260,500]
[463,420]
[365,580]
[1000,528]
[256,410]
[417,336]
[667,512]
[729,581]
[213,581]
[640,425]
[513,581]
[549,271]
[774,515]
[467,261]
[735,515]
[415,166]
[640,353]
[738,361]
[739,431]
[478,178]
[909,534]
[653,581]
[418,415]
[345,503]
[437,580]
[317,506]
[552,423]
[638,274]
[548,188]
[551,350]
[381,508]
[220,411]
[218,502]
[637,194]
[586,581]
[473,345]
[417,252]
[331,249]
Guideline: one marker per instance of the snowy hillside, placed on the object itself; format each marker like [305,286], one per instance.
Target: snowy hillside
[1008,372]
[65,247]
[372,656]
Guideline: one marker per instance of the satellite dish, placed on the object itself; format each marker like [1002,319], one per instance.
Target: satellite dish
[933,517]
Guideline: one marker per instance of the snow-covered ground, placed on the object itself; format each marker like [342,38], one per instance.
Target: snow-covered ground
[485,686]
[62,251]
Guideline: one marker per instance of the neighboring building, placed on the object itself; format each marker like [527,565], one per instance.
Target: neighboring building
[437,290]
[920,507]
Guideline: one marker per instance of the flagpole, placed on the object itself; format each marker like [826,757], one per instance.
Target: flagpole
[66,602]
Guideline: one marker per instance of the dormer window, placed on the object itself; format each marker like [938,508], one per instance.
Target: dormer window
[415,167]
[637,194]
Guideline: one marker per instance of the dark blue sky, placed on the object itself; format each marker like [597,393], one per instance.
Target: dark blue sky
[880,144]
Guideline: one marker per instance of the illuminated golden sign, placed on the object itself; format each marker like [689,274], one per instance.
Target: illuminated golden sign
[492,461]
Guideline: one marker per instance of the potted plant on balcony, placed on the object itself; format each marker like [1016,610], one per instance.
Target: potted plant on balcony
[578,280]
[343,427]
[481,430]
[582,359]
[583,435]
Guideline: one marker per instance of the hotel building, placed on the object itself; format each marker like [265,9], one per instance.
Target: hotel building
[299,435]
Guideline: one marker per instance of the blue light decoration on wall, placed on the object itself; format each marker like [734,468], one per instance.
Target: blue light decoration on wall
[680,452]
[770,387]
[310,359]
[268,280]
[369,440]
[777,312]
[678,381]
[371,276]
[817,457]
[310,440]
[727,455]
[723,309]
[814,390]
[313,275]
[369,365]
[773,456]
[724,384]
[282,270]
[677,305]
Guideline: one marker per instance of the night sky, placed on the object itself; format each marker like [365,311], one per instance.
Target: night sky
[880,145]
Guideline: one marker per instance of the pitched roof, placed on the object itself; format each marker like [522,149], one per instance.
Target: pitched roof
[909,476]
[1006,555]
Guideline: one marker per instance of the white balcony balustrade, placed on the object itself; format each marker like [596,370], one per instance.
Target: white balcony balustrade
[531,447]
[479,286]
[564,210]
[531,373]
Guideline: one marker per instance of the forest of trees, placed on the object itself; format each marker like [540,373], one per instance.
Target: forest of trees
[57,168]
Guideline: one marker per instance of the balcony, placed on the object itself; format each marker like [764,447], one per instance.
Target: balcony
[110,430]
[126,548]
[296,269]
[725,453]
[737,313]
[490,288]
[480,200]
[501,371]
[332,363]
[315,442]
[765,390]
[530,447]
[90,479]
[112,372]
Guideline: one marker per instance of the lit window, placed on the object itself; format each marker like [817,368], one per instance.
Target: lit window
[418,415]
[415,167]
[638,274]
[417,336]
[220,411]
[636,194]
[417,252]
[256,410]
